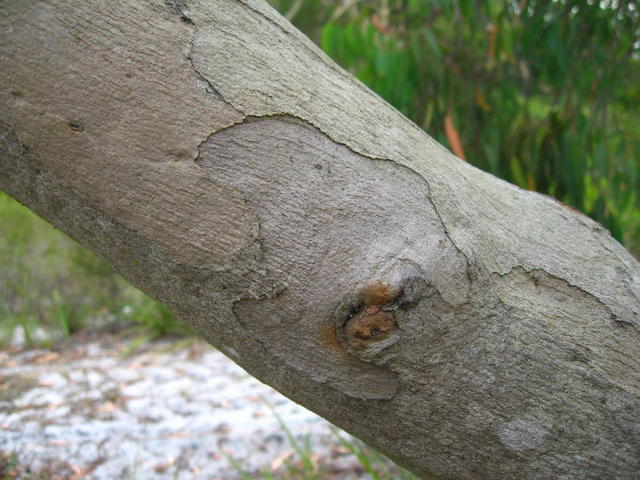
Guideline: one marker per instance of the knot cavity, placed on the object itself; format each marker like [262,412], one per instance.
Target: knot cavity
[367,321]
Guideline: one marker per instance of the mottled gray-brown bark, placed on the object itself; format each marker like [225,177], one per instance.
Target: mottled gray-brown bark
[223,164]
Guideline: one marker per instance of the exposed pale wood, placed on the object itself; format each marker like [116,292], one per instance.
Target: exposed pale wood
[222,163]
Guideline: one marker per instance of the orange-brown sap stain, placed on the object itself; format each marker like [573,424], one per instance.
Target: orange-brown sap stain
[373,324]
[329,337]
[377,294]
[368,326]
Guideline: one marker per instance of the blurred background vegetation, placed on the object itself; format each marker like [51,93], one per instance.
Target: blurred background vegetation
[51,287]
[543,93]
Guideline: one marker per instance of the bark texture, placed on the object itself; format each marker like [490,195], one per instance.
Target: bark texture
[223,164]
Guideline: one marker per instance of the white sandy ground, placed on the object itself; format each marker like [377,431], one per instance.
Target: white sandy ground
[94,410]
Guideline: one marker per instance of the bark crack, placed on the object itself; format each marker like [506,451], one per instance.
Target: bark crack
[535,271]
[179,7]
[205,85]
[446,232]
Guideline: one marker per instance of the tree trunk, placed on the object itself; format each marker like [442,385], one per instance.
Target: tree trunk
[223,164]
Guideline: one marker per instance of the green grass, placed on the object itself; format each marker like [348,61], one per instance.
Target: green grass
[12,469]
[303,464]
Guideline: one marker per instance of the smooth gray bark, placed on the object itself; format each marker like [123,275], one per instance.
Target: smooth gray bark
[223,164]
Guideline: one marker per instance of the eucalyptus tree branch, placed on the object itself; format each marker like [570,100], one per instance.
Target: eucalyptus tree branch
[223,164]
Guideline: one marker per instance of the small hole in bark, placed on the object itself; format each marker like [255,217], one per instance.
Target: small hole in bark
[186,20]
[375,331]
[76,127]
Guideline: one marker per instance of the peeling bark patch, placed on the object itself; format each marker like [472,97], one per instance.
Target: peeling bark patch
[571,318]
[324,235]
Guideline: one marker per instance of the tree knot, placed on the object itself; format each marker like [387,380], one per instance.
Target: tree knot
[366,321]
